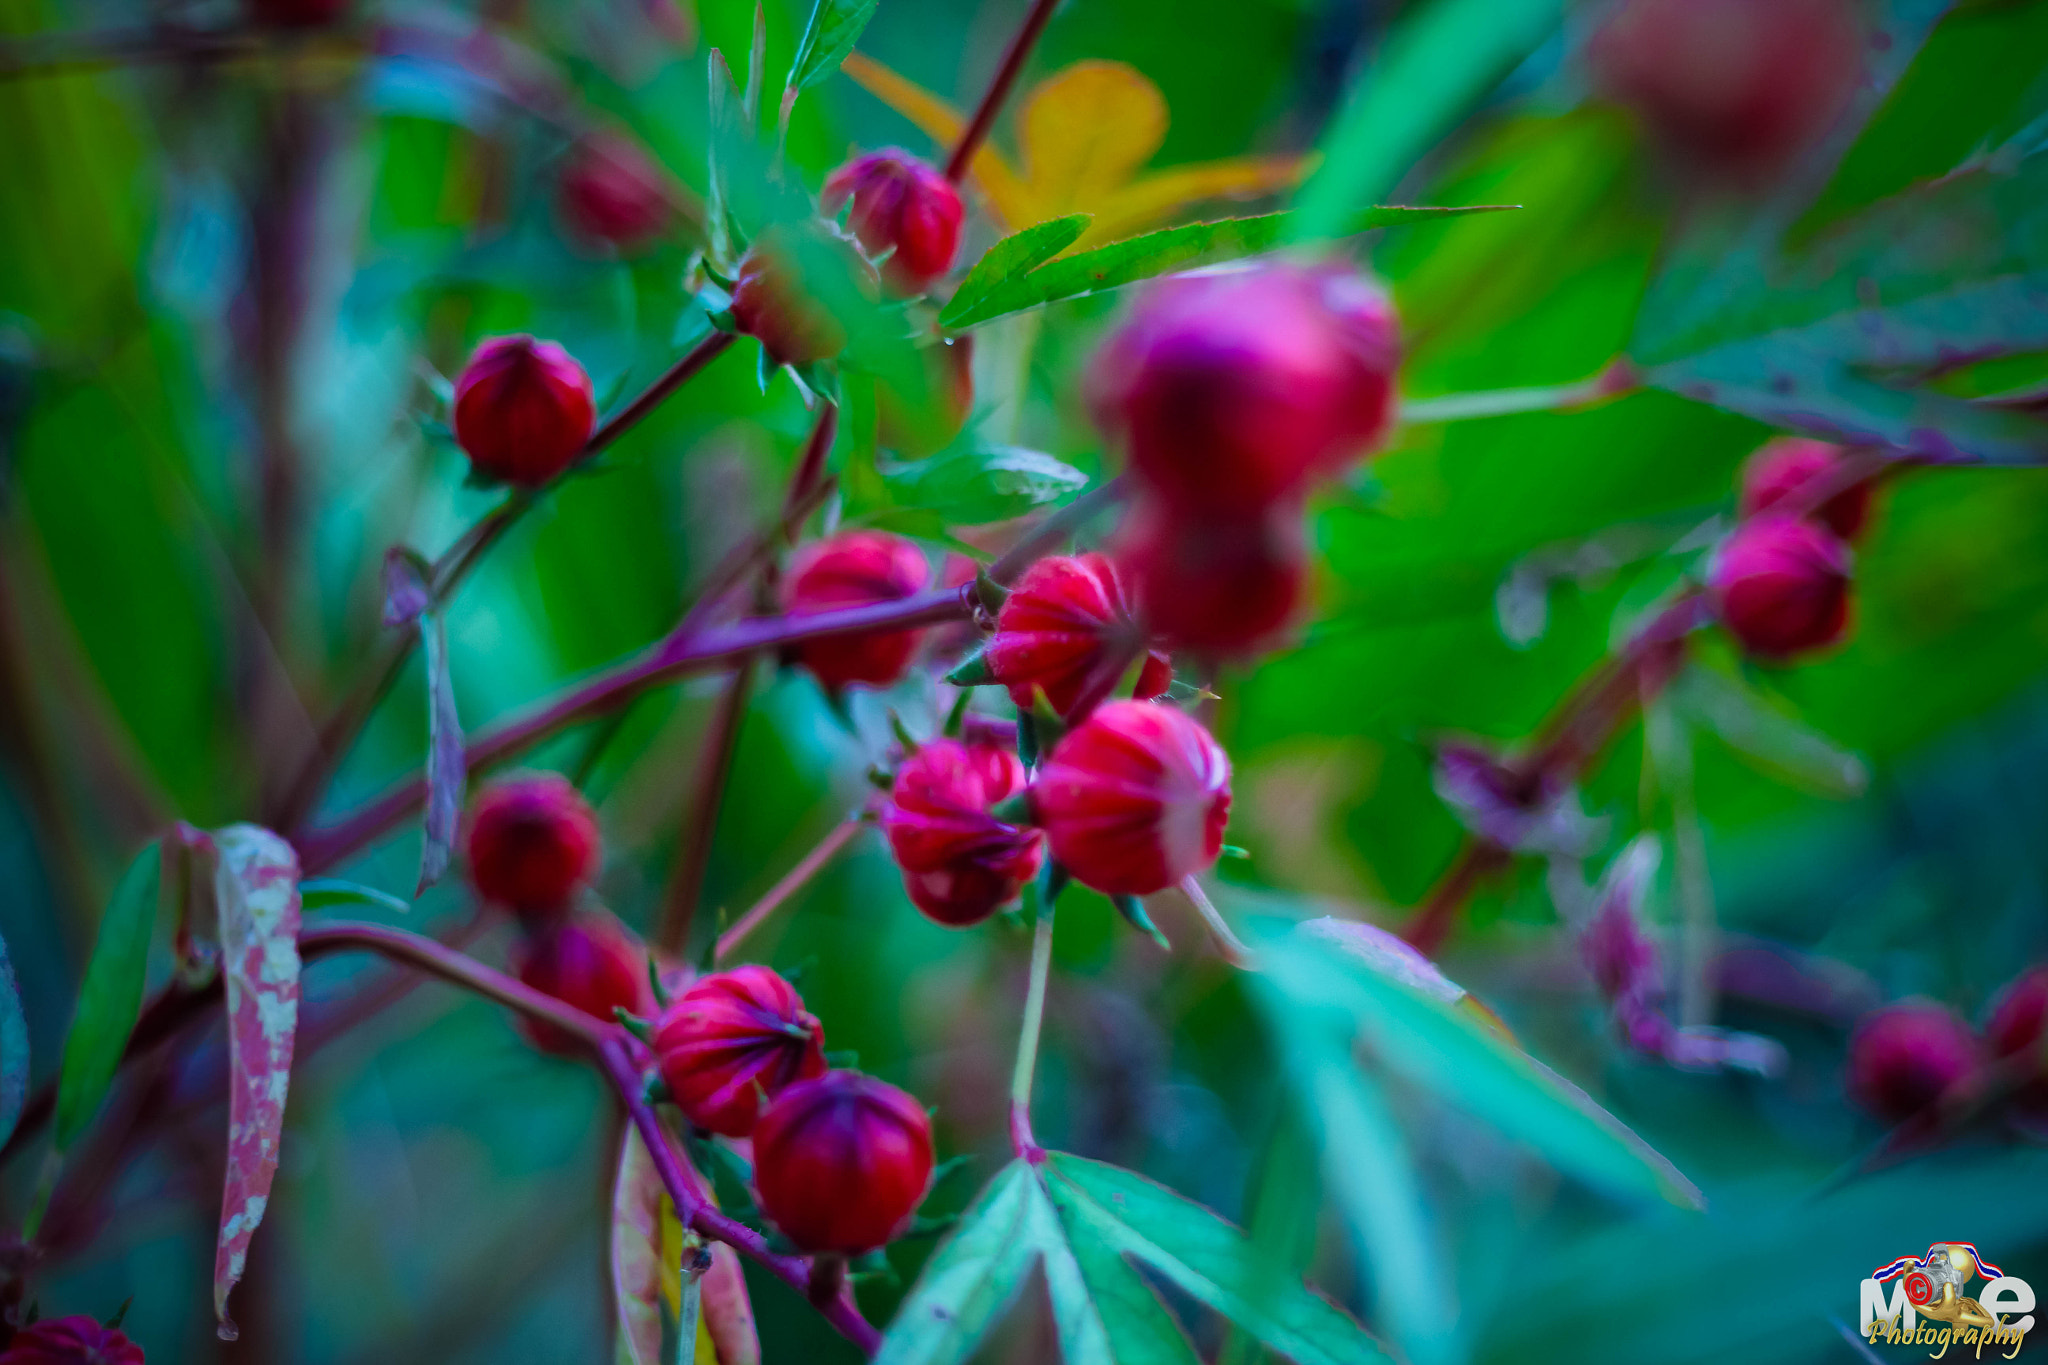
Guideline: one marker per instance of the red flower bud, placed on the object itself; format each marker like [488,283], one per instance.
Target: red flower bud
[588,962]
[842,1162]
[1733,87]
[960,864]
[1902,1057]
[611,192]
[1216,585]
[856,569]
[1782,586]
[523,410]
[776,300]
[1230,390]
[1066,630]
[2017,1015]
[1134,798]
[731,1039]
[1785,465]
[900,203]
[533,844]
[70,1341]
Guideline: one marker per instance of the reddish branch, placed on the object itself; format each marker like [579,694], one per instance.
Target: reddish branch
[792,881]
[999,88]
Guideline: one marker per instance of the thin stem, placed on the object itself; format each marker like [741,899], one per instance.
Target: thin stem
[679,656]
[984,119]
[1616,379]
[792,881]
[1228,945]
[697,1212]
[450,964]
[1021,1138]
[700,822]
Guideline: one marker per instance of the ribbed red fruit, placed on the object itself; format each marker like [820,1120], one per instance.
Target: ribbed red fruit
[902,206]
[588,962]
[1781,586]
[1732,87]
[1216,585]
[1231,390]
[76,1340]
[1784,466]
[1903,1057]
[523,410]
[610,191]
[1134,798]
[1066,630]
[960,864]
[533,844]
[856,569]
[842,1162]
[731,1042]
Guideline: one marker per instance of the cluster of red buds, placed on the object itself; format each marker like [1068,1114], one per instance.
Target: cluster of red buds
[1780,581]
[1731,88]
[1906,1058]
[1232,393]
[534,849]
[841,1160]
[74,1340]
[523,410]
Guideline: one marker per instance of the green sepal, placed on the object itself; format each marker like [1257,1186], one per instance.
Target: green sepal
[880,778]
[634,1024]
[1133,909]
[654,983]
[113,1324]
[973,671]
[956,719]
[902,732]
[1236,851]
[654,1089]
[1052,879]
[875,1264]
[991,593]
[1027,740]
[1050,726]
[1014,809]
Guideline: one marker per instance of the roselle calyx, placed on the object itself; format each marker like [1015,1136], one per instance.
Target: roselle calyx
[902,210]
[856,569]
[842,1162]
[533,844]
[731,1039]
[523,410]
[961,860]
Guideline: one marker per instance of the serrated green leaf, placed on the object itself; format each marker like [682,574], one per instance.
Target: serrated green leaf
[1018,254]
[971,1279]
[1436,65]
[980,484]
[1450,1053]
[1157,253]
[13,1049]
[325,893]
[834,28]
[109,999]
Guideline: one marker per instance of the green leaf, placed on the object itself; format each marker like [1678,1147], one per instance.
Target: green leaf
[447,759]
[325,893]
[834,28]
[13,1050]
[110,998]
[1018,254]
[1450,1052]
[1434,67]
[1154,253]
[1085,1228]
[980,484]
[1748,723]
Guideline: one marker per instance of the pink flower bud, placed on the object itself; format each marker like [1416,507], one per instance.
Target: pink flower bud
[1216,585]
[856,569]
[1782,586]
[533,844]
[2017,1015]
[523,410]
[773,303]
[1903,1057]
[588,962]
[1731,87]
[74,1340]
[902,204]
[1784,466]
[1134,798]
[611,192]
[1066,630]
[960,864]
[731,1039]
[1230,390]
[842,1162]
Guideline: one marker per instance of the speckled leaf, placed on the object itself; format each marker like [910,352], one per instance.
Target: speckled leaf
[257,889]
[13,1049]
[646,1247]
[447,761]
[109,999]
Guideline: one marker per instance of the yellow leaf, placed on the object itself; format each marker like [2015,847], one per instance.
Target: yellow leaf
[1085,131]
[1008,198]
[1151,200]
